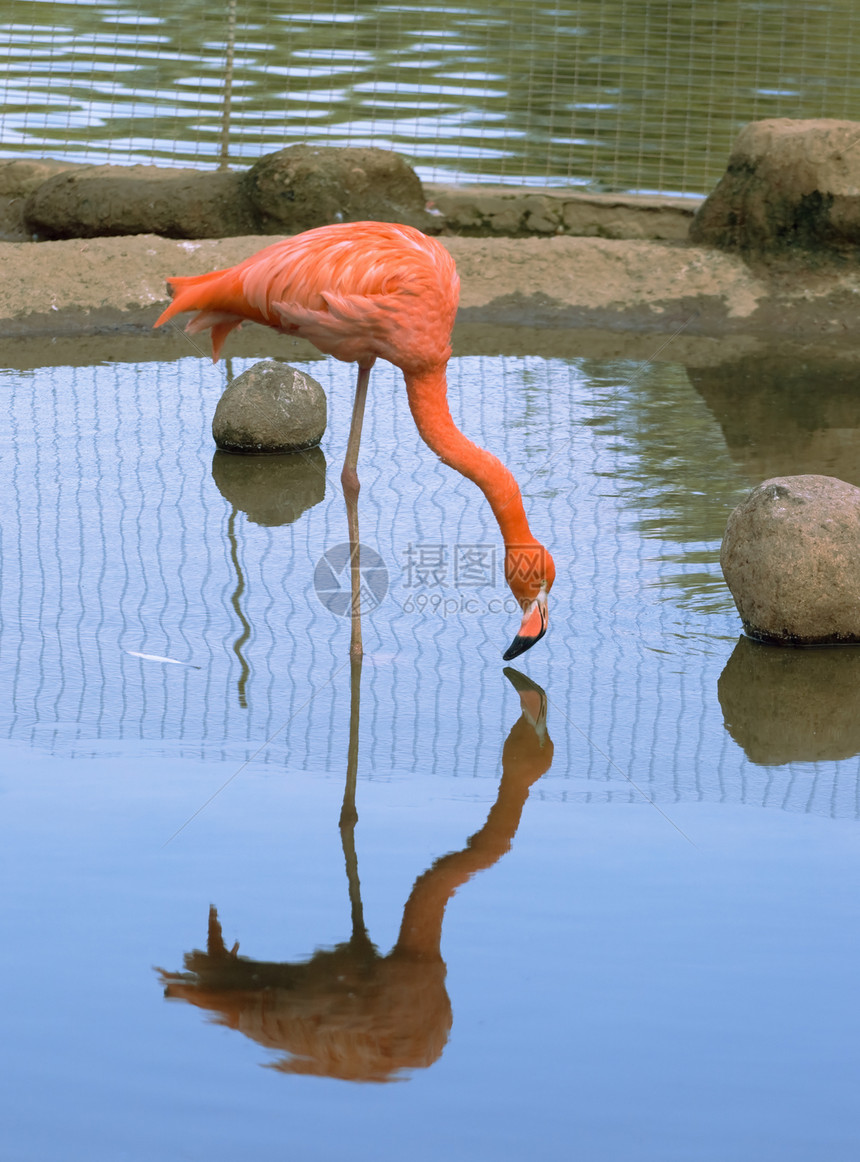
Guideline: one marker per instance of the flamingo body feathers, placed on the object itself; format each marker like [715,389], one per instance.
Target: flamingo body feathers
[357,291]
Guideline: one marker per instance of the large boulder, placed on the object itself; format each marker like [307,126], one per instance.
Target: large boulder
[101,200]
[310,185]
[271,407]
[791,558]
[788,185]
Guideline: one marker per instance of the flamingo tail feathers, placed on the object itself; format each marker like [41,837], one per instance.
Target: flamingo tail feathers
[206,294]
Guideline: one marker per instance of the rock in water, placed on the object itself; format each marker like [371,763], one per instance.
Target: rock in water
[791,558]
[271,407]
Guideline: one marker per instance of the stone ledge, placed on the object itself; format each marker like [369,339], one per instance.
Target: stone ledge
[468,211]
[519,212]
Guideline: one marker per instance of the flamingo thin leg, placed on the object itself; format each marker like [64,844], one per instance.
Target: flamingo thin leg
[351,486]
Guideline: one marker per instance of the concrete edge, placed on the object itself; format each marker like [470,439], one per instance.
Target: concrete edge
[469,211]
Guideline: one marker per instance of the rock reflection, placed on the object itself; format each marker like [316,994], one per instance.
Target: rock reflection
[783,704]
[271,490]
[350,1012]
[782,415]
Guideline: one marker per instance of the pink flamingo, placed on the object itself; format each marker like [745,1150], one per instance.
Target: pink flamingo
[363,291]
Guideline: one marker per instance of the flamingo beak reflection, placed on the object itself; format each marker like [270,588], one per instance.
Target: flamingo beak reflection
[534,623]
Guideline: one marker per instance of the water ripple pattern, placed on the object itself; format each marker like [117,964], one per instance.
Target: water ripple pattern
[141,606]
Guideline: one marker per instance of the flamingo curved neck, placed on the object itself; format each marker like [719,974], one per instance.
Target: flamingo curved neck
[428,402]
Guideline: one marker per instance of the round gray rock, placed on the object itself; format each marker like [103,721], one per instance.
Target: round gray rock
[271,407]
[791,558]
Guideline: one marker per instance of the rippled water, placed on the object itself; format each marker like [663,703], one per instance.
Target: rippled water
[607,909]
[609,95]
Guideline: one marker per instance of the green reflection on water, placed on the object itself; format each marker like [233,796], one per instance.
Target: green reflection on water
[607,95]
[692,441]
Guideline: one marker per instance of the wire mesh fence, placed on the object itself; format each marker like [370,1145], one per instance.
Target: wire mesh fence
[603,94]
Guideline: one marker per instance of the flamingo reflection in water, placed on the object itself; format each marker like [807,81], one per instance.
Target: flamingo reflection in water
[349,1012]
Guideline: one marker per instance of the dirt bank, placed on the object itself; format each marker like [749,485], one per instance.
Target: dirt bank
[111,285]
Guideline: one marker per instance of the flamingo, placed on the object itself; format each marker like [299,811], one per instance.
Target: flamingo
[361,291]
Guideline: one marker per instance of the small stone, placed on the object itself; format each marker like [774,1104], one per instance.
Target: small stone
[271,407]
[271,490]
[791,558]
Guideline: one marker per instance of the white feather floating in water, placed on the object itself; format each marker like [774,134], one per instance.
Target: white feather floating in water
[159,658]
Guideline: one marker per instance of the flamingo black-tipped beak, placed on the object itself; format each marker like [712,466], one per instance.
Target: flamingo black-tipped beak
[533,628]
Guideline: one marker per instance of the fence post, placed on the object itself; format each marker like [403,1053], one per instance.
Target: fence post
[228,83]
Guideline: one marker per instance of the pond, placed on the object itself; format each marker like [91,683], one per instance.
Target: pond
[601,903]
[601,94]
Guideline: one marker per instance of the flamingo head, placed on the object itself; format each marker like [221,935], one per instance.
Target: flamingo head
[530,572]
